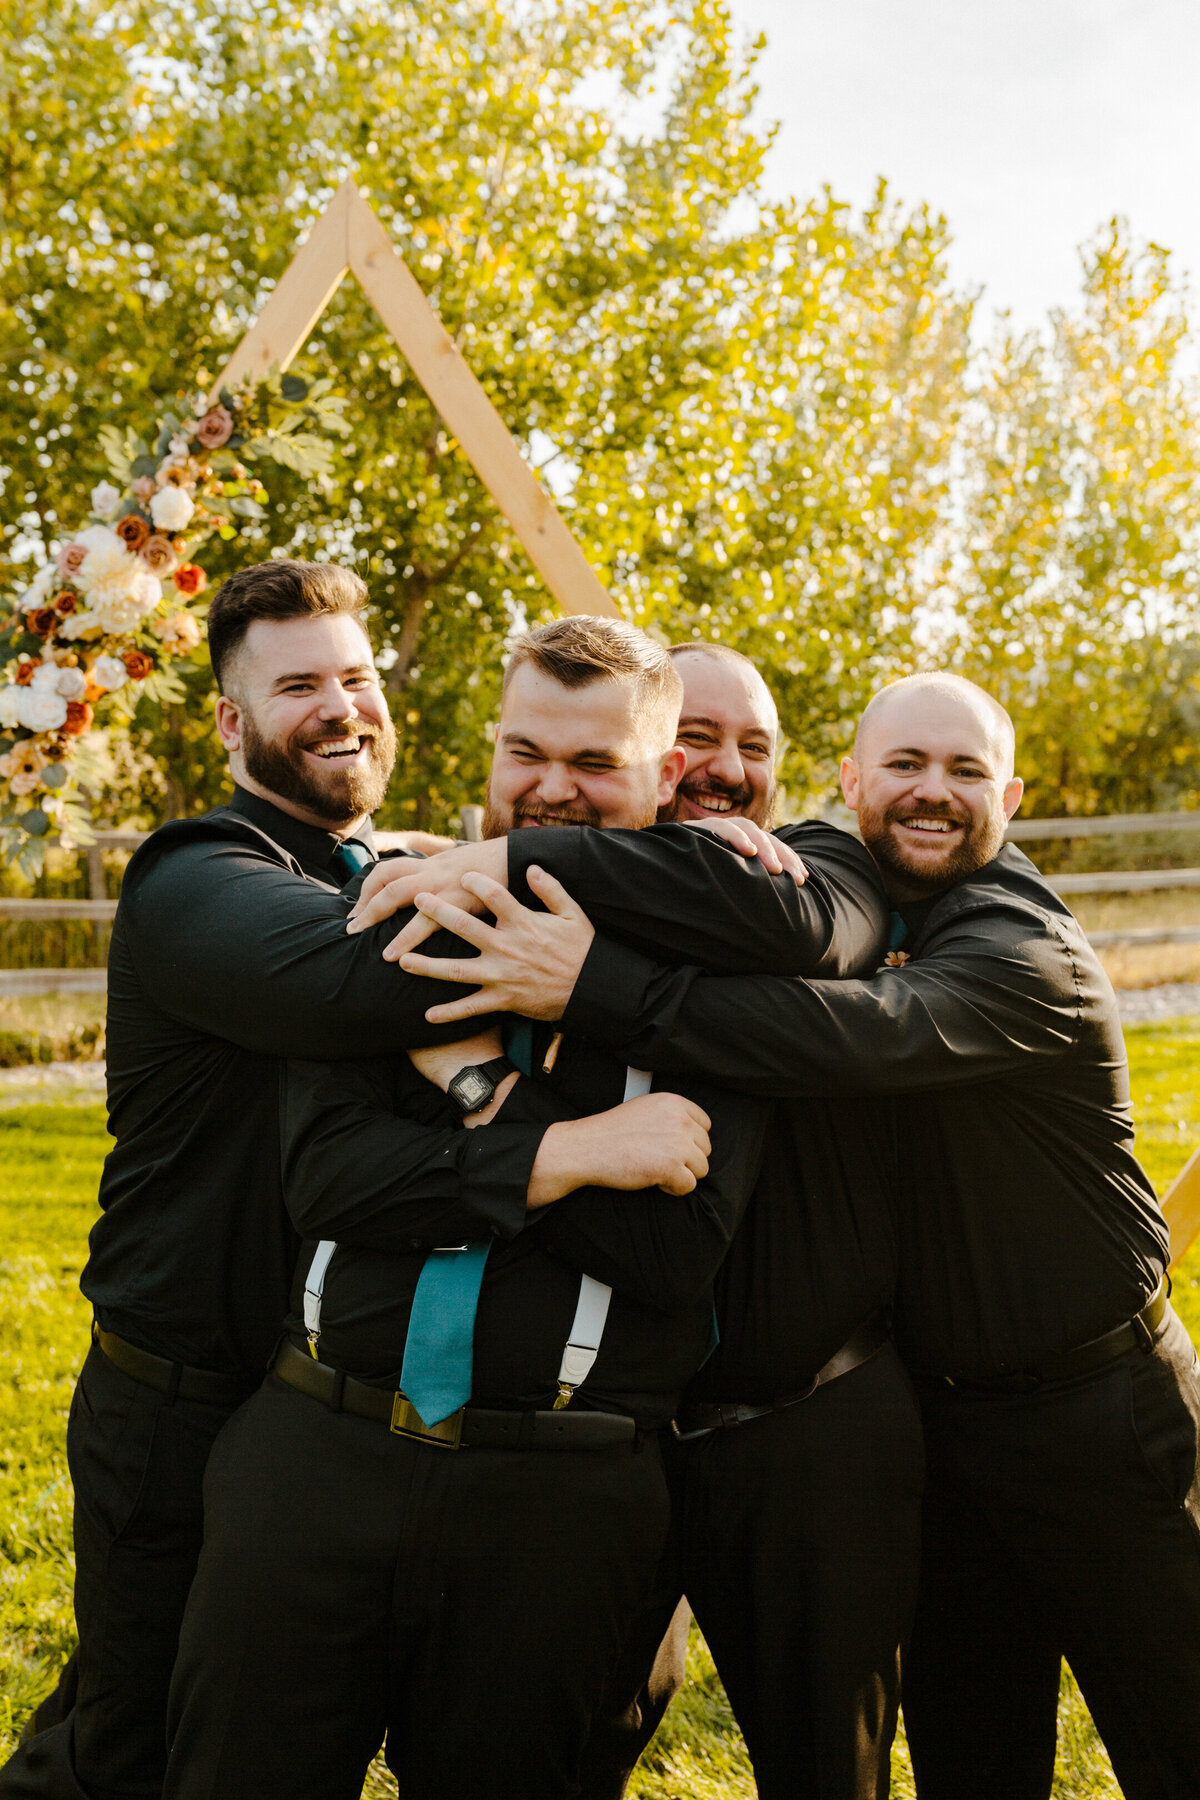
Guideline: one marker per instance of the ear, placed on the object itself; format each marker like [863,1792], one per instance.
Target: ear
[229,723]
[671,773]
[850,782]
[1012,796]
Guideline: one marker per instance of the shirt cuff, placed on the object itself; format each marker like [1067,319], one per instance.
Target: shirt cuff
[609,996]
[495,1169]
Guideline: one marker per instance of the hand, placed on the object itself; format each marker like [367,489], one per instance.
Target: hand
[529,962]
[749,839]
[393,886]
[657,1140]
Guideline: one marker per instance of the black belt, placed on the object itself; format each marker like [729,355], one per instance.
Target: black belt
[699,1420]
[176,1380]
[471,1427]
[1137,1333]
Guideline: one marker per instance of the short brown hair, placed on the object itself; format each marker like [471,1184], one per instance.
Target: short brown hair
[281,589]
[582,648]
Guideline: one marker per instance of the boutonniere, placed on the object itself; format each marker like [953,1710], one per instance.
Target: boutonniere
[896,959]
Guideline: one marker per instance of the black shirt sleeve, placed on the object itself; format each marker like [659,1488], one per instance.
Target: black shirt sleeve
[374,1155]
[231,943]
[661,1250]
[684,896]
[994,993]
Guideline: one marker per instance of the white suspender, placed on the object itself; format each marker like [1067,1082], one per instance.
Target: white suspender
[591,1312]
[314,1287]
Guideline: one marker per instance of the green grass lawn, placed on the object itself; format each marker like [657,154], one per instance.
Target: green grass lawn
[51,1156]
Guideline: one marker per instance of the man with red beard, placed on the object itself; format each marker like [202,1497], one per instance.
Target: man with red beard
[1058,1391]
[796,1482]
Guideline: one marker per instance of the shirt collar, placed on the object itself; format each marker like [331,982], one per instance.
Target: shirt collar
[311,845]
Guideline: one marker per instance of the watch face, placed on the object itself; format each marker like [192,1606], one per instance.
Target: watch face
[471,1089]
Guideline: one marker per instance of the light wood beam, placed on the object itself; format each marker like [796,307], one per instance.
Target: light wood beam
[1181,1203]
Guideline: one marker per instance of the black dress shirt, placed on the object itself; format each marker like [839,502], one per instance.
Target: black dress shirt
[657,1251]
[229,953]
[817,1252]
[1027,1225]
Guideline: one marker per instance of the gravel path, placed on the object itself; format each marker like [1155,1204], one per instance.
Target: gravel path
[1174,999]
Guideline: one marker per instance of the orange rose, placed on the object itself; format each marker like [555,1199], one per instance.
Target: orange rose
[65,603]
[137,664]
[79,717]
[43,621]
[24,674]
[133,530]
[190,579]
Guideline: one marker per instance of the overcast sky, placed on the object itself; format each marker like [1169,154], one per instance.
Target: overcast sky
[1027,122]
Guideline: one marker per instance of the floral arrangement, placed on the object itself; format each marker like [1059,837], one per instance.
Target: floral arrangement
[104,623]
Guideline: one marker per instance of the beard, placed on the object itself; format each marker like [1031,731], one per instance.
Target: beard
[745,802]
[339,796]
[982,840]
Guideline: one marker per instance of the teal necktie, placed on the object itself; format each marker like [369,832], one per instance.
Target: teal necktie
[348,858]
[897,932]
[439,1351]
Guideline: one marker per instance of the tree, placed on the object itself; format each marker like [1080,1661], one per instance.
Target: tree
[1072,570]
[746,410]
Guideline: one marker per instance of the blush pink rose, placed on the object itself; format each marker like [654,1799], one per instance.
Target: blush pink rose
[158,554]
[143,488]
[215,428]
[70,559]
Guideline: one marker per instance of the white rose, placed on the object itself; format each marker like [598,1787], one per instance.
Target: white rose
[41,708]
[45,675]
[109,672]
[146,590]
[72,683]
[10,697]
[105,498]
[171,508]
[179,447]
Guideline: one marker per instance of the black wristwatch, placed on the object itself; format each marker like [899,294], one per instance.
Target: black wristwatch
[473,1087]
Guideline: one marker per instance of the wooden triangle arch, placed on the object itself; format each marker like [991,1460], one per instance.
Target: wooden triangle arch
[349,239]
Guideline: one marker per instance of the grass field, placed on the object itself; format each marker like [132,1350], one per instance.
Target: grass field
[51,1157]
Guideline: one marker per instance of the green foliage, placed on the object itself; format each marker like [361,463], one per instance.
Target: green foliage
[741,410]
[1073,575]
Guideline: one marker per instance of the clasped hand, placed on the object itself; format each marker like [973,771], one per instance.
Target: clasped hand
[528,962]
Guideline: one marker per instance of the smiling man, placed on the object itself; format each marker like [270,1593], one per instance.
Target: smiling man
[229,953]
[729,729]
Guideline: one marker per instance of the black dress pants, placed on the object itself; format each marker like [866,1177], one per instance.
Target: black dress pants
[137,1464]
[1065,1522]
[797,1537]
[468,1604]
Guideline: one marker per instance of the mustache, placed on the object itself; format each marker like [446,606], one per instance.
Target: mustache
[581,814]
[362,732]
[900,815]
[740,794]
